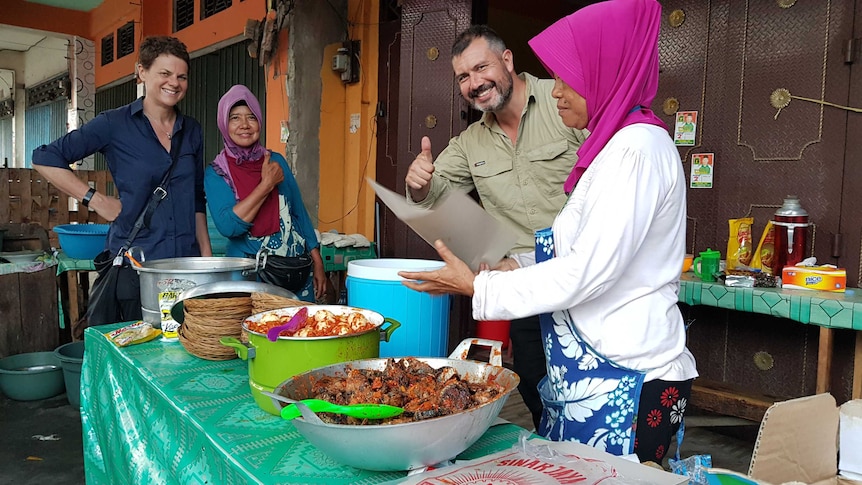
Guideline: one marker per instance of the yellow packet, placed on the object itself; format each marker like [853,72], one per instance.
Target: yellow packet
[765,254]
[136,333]
[740,247]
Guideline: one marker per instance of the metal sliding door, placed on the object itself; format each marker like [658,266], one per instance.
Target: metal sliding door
[42,125]
[7,154]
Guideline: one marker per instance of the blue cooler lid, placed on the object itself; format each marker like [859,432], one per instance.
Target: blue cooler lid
[386,269]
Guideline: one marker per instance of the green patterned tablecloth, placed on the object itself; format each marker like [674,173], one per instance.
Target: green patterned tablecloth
[822,308]
[65,263]
[30,267]
[152,413]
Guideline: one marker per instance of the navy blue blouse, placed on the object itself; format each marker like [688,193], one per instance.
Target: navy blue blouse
[138,161]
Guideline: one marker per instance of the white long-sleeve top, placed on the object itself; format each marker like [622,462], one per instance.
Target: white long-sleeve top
[619,243]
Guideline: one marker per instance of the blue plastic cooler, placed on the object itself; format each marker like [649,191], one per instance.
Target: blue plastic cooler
[374,284]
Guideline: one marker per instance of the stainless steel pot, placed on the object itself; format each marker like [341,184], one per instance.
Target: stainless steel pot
[163,280]
[405,446]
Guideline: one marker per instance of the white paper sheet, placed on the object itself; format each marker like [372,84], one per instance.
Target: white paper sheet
[466,229]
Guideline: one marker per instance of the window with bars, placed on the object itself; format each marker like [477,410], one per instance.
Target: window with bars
[48,91]
[184,14]
[212,7]
[108,49]
[126,40]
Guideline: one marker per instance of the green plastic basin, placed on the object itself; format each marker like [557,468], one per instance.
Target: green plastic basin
[71,356]
[31,376]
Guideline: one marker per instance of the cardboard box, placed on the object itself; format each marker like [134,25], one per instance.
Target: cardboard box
[824,278]
[797,442]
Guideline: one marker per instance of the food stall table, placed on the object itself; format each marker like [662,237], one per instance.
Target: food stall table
[825,309]
[28,306]
[153,413]
[74,269]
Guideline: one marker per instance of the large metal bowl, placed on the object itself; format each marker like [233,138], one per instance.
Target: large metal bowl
[405,446]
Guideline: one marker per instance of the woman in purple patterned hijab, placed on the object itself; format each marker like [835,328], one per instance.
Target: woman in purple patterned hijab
[256,203]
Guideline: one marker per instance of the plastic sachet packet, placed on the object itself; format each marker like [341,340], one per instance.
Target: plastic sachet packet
[695,467]
[136,333]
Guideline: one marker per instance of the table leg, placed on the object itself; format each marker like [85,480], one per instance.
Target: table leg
[824,360]
[857,368]
[72,283]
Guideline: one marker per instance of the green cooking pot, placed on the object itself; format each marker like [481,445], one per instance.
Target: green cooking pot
[271,363]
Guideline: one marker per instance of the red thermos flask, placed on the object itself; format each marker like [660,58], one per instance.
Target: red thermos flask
[791,234]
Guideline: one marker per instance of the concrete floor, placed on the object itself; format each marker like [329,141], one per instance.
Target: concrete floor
[729,441]
[56,458]
[27,459]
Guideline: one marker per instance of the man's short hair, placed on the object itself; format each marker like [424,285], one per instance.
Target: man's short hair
[464,39]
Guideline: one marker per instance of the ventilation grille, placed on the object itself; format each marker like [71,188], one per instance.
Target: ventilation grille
[48,91]
[212,7]
[108,49]
[126,40]
[184,14]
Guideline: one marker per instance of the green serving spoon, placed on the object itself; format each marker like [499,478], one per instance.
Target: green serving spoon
[362,411]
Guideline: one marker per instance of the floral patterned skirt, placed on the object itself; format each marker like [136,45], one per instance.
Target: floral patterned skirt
[661,410]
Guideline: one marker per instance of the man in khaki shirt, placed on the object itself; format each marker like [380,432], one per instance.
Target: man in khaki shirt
[517,157]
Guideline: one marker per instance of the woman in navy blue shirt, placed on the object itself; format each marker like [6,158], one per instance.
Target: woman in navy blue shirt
[136,140]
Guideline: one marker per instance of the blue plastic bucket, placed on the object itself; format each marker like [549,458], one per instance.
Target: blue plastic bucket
[374,284]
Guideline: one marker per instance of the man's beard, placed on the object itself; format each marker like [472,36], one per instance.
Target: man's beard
[504,93]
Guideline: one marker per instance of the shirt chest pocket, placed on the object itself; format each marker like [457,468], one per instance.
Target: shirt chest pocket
[494,180]
[550,165]
[548,151]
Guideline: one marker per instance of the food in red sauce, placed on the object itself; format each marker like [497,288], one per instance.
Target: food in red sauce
[322,323]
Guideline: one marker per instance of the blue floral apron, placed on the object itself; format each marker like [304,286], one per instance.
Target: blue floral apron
[587,398]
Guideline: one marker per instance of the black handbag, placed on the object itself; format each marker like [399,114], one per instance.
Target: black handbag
[116,295]
[288,272]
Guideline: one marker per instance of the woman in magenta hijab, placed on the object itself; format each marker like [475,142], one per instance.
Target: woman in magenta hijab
[255,201]
[605,276]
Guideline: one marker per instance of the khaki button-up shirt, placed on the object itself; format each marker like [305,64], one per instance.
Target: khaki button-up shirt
[520,184]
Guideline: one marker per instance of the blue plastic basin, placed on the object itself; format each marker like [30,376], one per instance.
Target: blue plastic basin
[82,241]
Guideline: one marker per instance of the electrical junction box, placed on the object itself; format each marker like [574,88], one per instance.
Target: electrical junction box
[341,60]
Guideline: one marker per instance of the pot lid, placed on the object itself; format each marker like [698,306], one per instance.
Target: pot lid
[226,289]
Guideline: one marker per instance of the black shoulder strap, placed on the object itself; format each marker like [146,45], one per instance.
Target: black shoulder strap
[159,194]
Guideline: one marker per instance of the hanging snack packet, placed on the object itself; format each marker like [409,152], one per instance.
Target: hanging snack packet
[740,248]
[765,254]
[136,333]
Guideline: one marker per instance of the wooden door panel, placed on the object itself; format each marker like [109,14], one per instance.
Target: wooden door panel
[429,101]
[389,228]
[851,182]
[683,78]
[748,50]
